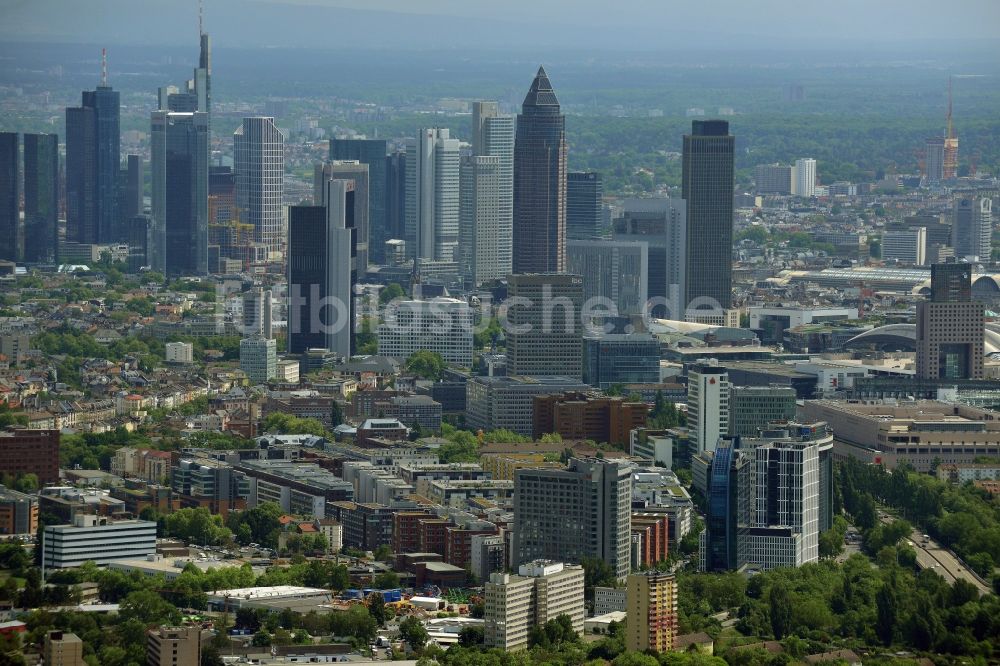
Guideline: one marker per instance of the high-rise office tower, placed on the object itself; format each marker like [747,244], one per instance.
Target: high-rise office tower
[780,527]
[93,160]
[707,187]
[134,177]
[493,136]
[617,270]
[934,159]
[138,243]
[11,228]
[196,95]
[651,604]
[717,546]
[322,273]
[805,177]
[257,313]
[358,172]
[568,514]
[584,202]
[545,336]
[259,150]
[540,182]
[972,226]
[708,406]
[950,327]
[432,195]
[660,224]
[484,235]
[179,149]
[41,198]
[395,196]
[371,152]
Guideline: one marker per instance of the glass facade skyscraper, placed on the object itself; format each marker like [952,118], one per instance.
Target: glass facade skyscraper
[540,182]
[584,214]
[707,187]
[11,230]
[373,153]
[41,198]
[93,162]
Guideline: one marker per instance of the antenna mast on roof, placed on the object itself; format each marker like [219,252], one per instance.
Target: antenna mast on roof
[104,68]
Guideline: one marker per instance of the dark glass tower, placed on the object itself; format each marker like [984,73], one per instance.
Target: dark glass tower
[370,152]
[41,198]
[707,187]
[584,218]
[540,182]
[395,196]
[322,272]
[179,149]
[11,229]
[93,161]
[723,508]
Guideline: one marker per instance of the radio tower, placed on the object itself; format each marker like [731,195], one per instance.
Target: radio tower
[950,162]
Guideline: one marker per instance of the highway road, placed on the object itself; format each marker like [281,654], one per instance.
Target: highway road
[930,555]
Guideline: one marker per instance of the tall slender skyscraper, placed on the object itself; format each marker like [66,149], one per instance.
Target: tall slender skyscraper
[371,152]
[484,238]
[260,170]
[493,137]
[11,229]
[707,187]
[540,182]
[395,196]
[41,198]
[357,172]
[584,194]
[93,160]
[432,195]
[972,226]
[322,272]
[805,176]
[179,149]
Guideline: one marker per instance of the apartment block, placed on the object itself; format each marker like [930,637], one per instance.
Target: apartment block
[542,591]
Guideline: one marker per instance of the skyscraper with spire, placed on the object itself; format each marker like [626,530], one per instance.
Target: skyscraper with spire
[540,182]
[93,160]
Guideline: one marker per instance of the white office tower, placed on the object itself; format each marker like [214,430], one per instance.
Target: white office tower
[442,325]
[339,283]
[484,238]
[260,170]
[907,246]
[708,406]
[972,227]
[781,488]
[432,194]
[805,177]
[541,591]
[257,313]
[493,136]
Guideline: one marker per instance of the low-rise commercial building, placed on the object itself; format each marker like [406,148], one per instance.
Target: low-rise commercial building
[920,433]
[91,538]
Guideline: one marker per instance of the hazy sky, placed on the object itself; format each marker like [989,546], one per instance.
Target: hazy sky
[435,24]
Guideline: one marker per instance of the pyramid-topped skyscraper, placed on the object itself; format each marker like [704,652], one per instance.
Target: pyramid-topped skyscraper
[540,182]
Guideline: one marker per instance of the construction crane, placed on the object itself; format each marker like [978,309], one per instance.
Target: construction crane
[950,162]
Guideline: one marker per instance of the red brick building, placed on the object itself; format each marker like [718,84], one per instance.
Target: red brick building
[25,451]
[652,528]
[579,415]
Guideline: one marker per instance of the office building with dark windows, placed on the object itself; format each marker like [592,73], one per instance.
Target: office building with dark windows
[707,187]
